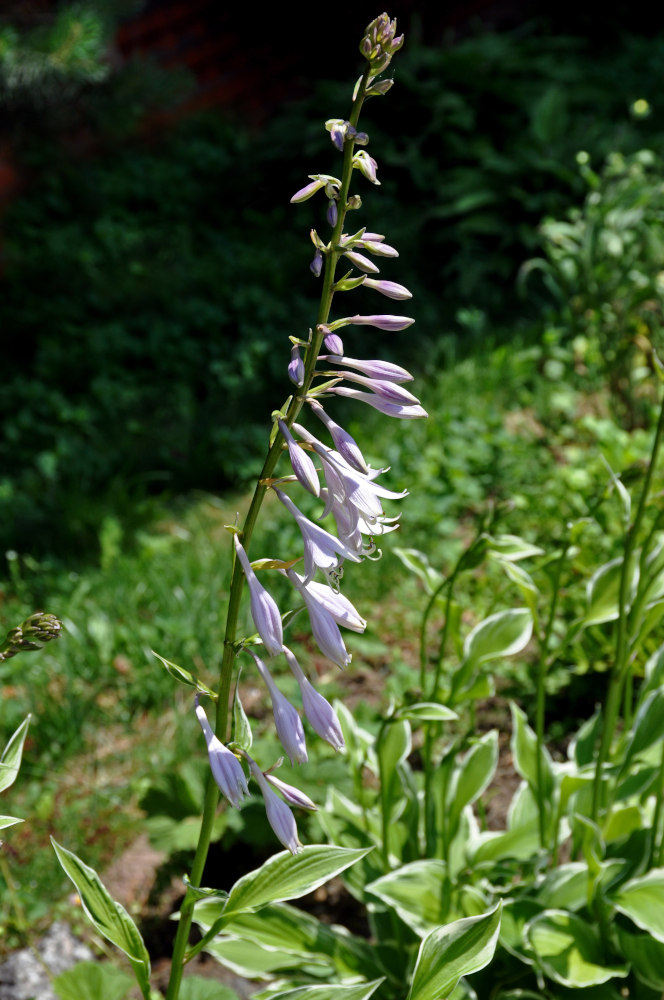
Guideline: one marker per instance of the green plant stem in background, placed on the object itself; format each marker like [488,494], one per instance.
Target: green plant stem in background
[542,668]
[237,580]
[621,664]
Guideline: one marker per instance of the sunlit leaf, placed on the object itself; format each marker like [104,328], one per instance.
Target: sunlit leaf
[450,952]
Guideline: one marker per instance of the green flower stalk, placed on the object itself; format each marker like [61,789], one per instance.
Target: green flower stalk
[351,496]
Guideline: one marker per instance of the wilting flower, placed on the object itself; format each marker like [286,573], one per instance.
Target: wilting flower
[303,467]
[279,815]
[321,549]
[317,709]
[286,719]
[264,610]
[226,768]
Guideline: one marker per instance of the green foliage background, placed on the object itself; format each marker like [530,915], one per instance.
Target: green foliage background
[151,278]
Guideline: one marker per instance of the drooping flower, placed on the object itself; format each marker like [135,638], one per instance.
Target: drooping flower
[264,610]
[303,466]
[344,442]
[319,712]
[286,719]
[279,815]
[324,627]
[321,549]
[226,768]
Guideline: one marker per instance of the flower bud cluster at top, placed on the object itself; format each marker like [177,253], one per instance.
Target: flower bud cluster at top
[31,634]
[333,471]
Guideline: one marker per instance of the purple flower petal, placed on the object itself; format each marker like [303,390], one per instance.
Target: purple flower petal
[286,719]
[264,610]
[226,768]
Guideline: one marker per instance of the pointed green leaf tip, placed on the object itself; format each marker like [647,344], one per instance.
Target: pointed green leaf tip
[453,951]
[110,918]
[286,876]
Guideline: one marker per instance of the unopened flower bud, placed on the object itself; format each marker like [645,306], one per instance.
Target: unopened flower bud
[334,343]
[296,367]
[384,322]
[391,289]
[366,165]
[316,265]
[354,202]
[359,260]
[307,191]
[332,213]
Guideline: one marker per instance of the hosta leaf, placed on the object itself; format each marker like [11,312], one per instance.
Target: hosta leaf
[470,777]
[450,952]
[512,548]
[426,711]
[524,752]
[287,876]
[502,634]
[642,900]
[602,592]
[92,980]
[110,918]
[417,562]
[11,756]
[646,956]
[6,821]
[569,951]
[361,991]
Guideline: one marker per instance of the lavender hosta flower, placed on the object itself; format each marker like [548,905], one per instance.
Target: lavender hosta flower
[332,601]
[391,391]
[334,343]
[308,191]
[359,489]
[366,165]
[316,265]
[323,623]
[320,714]
[377,247]
[296,367]
[359,260]
[382,405]
[384,370]
[226,768]
[292,795]
[286,719]
[321,549]
[264,610]
[303,466]
[332,213]
[391,289]
[383,321]
[279,815]
[344,442]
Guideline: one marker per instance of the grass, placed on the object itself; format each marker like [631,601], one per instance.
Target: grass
[519,429]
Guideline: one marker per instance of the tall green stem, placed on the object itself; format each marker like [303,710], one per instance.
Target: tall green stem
[237,579]
[621,663]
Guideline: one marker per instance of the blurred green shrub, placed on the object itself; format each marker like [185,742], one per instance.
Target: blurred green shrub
[604,267]
[147,282]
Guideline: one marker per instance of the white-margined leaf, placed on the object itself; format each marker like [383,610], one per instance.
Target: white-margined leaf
[501,634]
[450,952]
[642,900]
[10,761]
[569,951]
[286,876]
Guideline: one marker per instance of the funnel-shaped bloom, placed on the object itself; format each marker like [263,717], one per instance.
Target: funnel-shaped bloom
[321,549]
[279,815]
[317,709]
[286,720]
[264,610]
[323,622]
[226,768]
